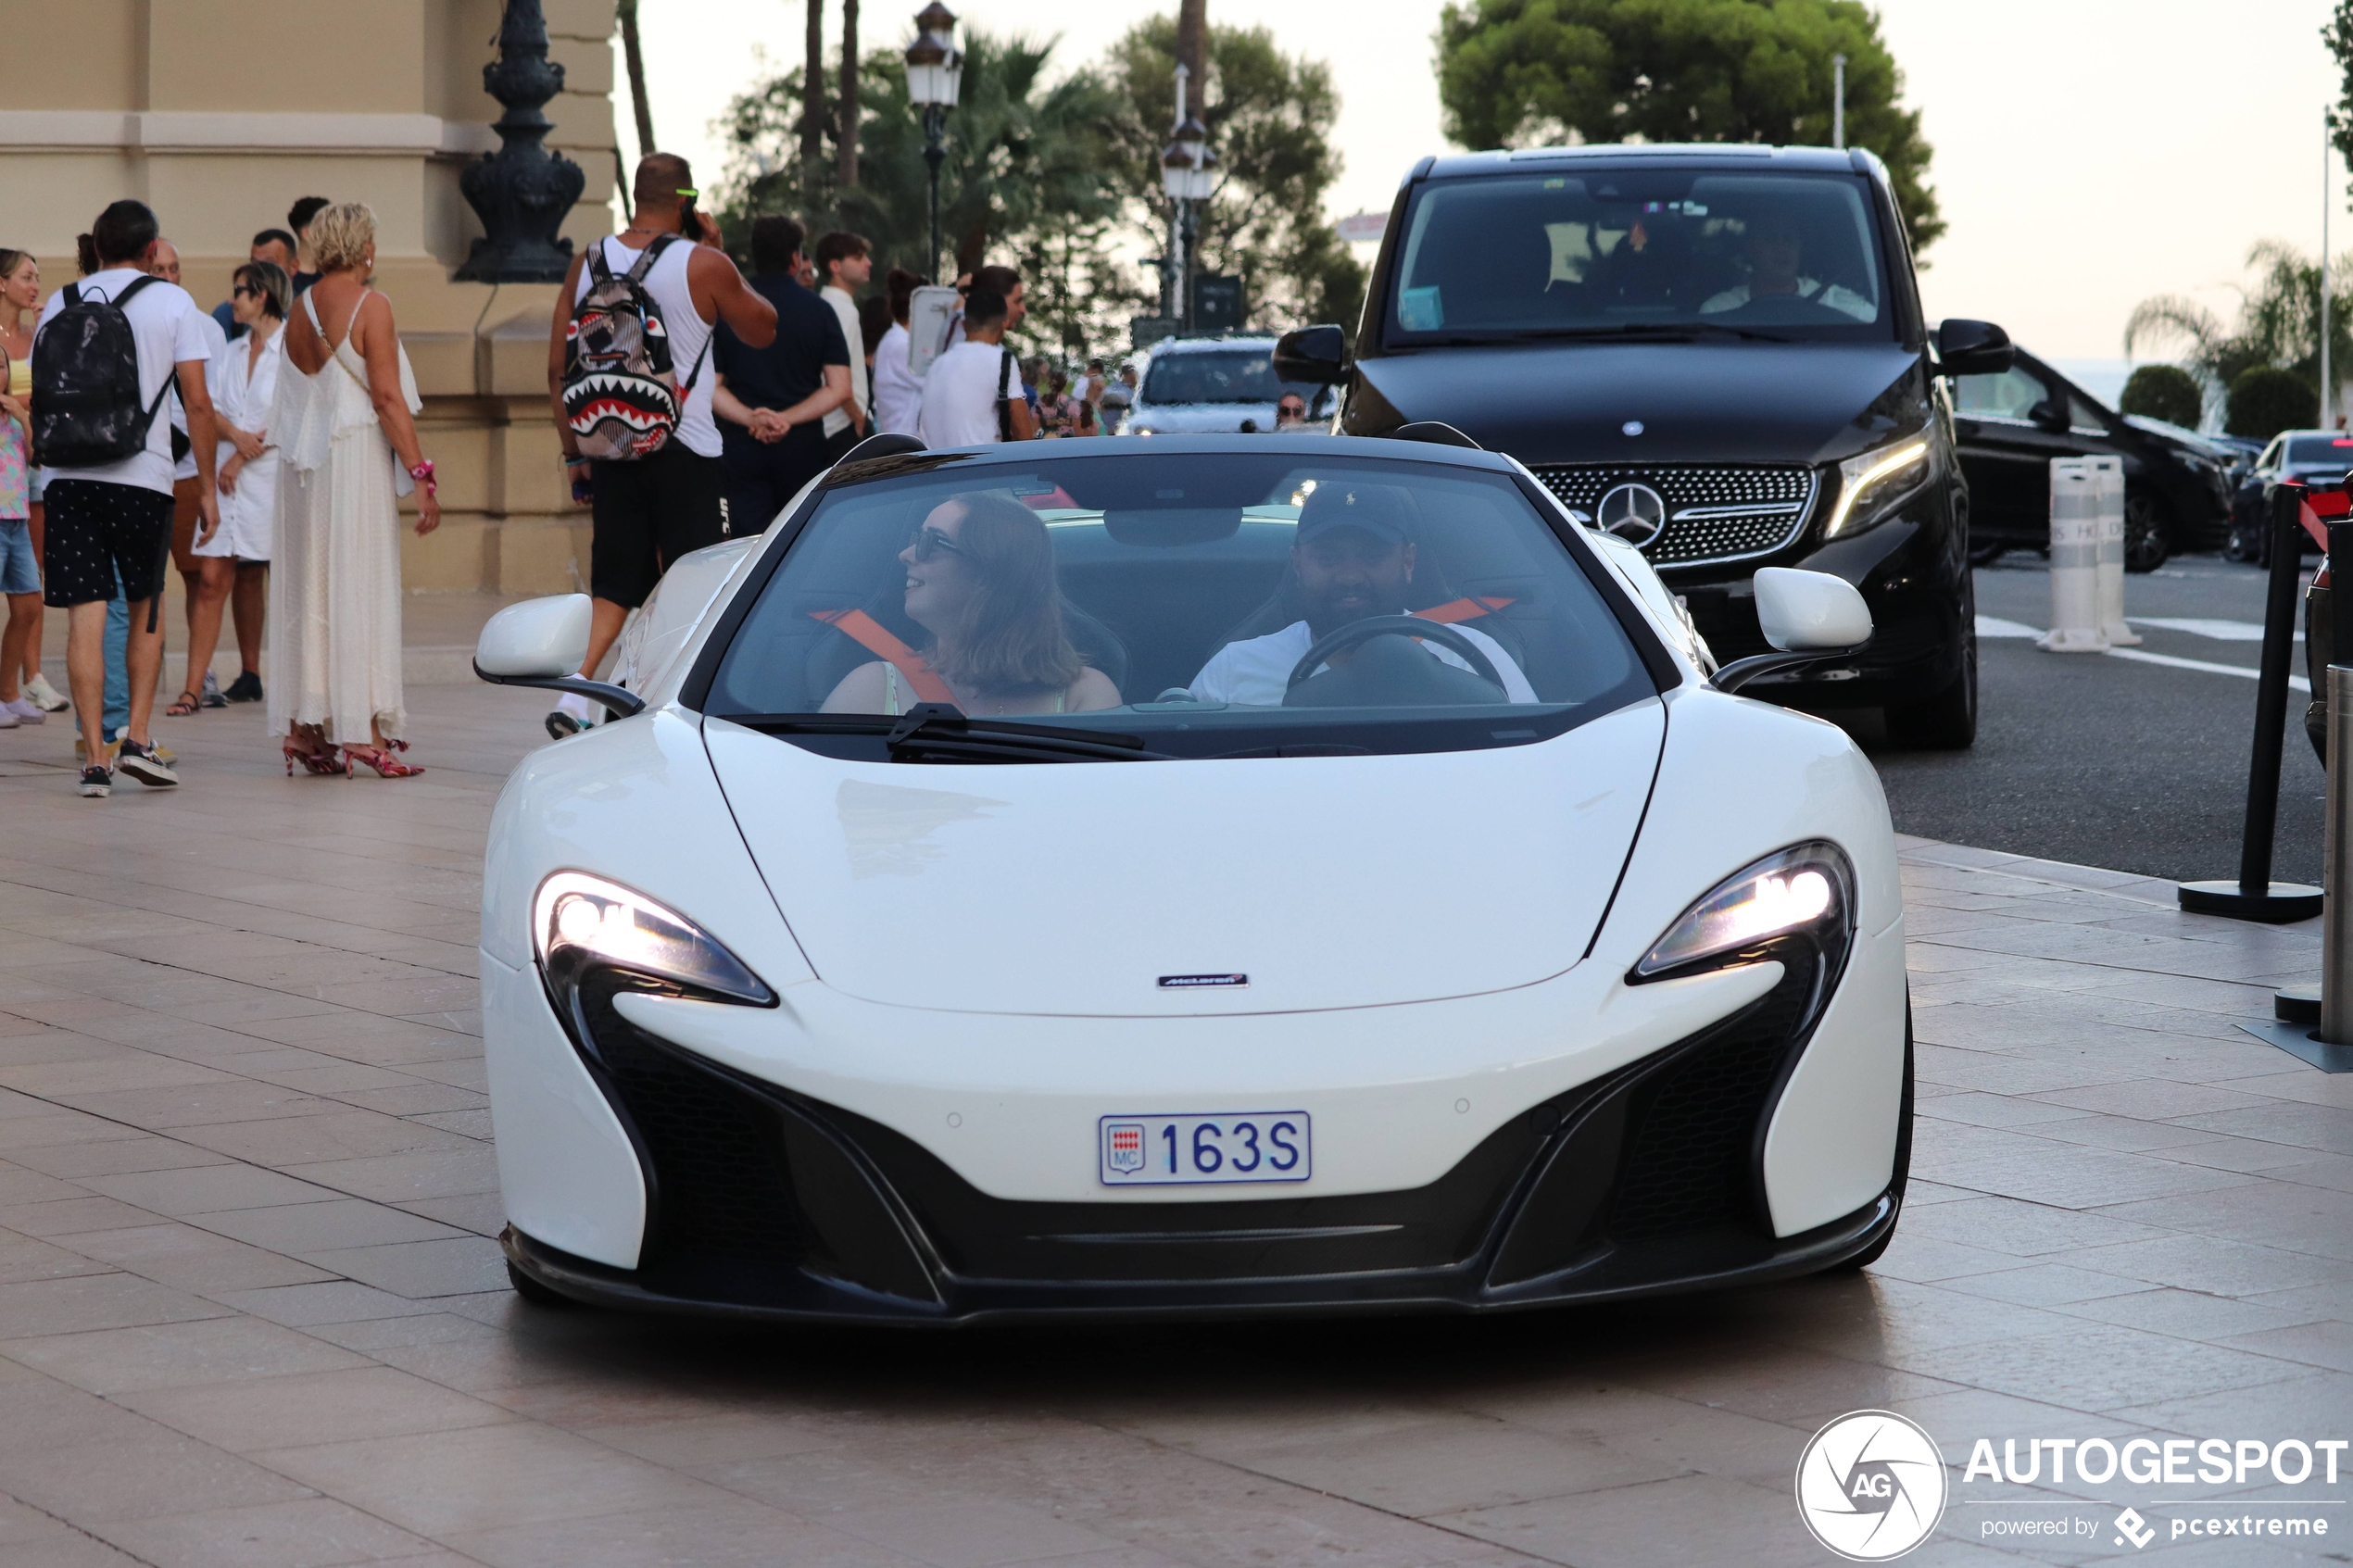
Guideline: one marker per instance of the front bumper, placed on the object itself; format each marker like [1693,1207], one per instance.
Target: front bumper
[764,1202]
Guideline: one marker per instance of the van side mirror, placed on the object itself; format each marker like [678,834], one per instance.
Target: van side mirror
[1972,348]
[542,643]
[1810,616]
[1312,356]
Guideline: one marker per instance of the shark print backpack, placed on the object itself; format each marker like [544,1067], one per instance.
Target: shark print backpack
[621,394]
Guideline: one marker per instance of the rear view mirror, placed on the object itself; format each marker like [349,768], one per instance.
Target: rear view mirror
[1972,348]
[542,643]
[1811,611]
[1312,356]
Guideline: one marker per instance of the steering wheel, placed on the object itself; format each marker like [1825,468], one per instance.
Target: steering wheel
[1373,626]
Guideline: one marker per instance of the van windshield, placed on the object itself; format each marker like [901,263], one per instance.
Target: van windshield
[1594,253]
[1199,603]
[1221,375]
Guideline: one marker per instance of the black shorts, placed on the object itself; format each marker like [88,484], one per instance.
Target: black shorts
[98,530]
[761,477]
[647,514]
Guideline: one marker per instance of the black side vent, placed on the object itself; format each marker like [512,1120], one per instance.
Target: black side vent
[1690,1159]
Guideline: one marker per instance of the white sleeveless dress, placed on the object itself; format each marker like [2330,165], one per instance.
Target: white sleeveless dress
[334,580]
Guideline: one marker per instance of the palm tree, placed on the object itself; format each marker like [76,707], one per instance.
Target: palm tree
[2278,324]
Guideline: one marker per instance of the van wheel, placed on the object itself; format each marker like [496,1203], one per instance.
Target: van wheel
[2146,546]
[1946,720]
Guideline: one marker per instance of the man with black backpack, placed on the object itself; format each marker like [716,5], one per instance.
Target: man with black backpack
[107,351]
[628,371]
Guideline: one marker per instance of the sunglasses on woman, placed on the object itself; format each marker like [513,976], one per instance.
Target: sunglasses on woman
[928,542]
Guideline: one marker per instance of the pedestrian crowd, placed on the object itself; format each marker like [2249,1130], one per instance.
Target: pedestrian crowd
[260,450]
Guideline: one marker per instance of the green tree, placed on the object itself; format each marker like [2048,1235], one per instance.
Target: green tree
[2278,323]
[1029,181]
[1539,72]
[2266,401]
[2164,392]
[1270,117]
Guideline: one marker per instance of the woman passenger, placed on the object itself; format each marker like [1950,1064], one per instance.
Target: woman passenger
[980,582]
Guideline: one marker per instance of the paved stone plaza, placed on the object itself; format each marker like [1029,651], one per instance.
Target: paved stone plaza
[252,1314]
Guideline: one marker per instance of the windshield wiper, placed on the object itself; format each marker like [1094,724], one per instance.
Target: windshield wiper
[942,730]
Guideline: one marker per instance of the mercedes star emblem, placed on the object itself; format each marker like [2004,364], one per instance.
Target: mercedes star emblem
[1635,512]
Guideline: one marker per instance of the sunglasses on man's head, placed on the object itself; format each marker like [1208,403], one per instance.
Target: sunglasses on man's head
[928,542]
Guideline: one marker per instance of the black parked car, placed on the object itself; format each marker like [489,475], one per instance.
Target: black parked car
[1714,352]
[2317,456]
[2013,422]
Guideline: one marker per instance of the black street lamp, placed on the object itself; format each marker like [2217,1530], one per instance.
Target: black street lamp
[523,191]
[1188,173]
[934,73]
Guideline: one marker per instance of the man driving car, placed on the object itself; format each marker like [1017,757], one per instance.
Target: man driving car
[1353,556]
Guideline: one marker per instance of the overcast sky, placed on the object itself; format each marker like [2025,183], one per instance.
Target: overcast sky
[2087,154]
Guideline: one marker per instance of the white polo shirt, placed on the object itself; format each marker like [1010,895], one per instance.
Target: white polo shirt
[1257,671]
[960,396]
[170,331]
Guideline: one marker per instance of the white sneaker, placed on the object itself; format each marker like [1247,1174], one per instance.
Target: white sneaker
[573,715]
[8,720]
[27,710]
[44,694]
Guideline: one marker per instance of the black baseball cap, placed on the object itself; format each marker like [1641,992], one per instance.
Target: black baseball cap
[1378,510]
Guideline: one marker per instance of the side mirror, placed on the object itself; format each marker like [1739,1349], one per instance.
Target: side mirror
[542,643]
[1312,356]
[1810,616]
[1972,348]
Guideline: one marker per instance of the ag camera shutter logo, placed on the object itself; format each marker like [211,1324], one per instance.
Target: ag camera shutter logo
[1871,1486]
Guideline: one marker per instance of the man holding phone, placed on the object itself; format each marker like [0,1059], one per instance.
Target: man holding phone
[650,510]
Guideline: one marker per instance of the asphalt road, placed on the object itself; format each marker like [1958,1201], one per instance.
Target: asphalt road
[2115,761]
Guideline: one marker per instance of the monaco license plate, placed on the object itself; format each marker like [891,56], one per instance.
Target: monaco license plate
[1246,1146]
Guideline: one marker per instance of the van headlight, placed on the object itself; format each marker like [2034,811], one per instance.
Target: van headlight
[581,924]
[1869,483]
[1807,888]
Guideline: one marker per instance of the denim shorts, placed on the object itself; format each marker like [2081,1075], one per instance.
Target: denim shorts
[19,574]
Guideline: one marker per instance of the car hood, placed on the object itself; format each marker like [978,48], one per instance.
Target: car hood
[1330,881]
[1693,402]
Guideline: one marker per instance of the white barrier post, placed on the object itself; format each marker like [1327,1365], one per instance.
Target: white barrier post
[2109,484]
[2075,569]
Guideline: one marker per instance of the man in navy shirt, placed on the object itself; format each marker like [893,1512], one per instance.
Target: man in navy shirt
[772,402]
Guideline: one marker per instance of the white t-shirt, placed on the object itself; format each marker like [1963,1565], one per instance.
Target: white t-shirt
[689,334]
[855,336]
[1843,300]
[899,392]
[170,331]
[1257,671]
[960,396]
[218,342]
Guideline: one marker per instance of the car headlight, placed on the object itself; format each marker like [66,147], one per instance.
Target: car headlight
[581,923]
[1808,887]
[1870,481]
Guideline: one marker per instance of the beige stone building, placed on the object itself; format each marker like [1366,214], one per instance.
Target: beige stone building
[221,113]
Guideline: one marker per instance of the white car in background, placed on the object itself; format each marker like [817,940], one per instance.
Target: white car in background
[1396,910]
[1213,385]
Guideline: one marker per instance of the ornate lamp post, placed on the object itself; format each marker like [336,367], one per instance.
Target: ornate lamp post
[523,191]
[1188,174]
[934,73]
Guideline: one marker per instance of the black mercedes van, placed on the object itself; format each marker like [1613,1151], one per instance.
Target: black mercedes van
[1716,352]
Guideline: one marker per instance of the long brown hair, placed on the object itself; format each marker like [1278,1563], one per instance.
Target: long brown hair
[1011,637]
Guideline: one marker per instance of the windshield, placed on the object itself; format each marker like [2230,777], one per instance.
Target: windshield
[1779,256]
[1177,597]
[2320,449]
[1237,375]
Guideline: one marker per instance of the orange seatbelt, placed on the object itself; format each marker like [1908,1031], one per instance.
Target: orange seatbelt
[877,639]
[1460,610]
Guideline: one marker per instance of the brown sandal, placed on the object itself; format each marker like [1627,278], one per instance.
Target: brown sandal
[184,704]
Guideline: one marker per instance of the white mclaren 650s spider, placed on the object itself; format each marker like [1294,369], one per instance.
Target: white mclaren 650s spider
[1206,875]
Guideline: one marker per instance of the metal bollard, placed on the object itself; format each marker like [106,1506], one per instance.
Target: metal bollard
[2107,475]
[2336,932]
[2075,551]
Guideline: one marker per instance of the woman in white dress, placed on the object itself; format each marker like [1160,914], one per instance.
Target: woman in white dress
[342,423]
[248,470]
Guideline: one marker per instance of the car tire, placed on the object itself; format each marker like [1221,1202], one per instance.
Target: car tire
[1986,555]
[1902,1174]
[534,1293]
[2146,544]
[1946,719]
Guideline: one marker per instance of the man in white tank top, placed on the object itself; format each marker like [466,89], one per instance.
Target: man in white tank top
[649,512]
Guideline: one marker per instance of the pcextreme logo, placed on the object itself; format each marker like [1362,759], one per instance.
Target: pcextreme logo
[1871,1486]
